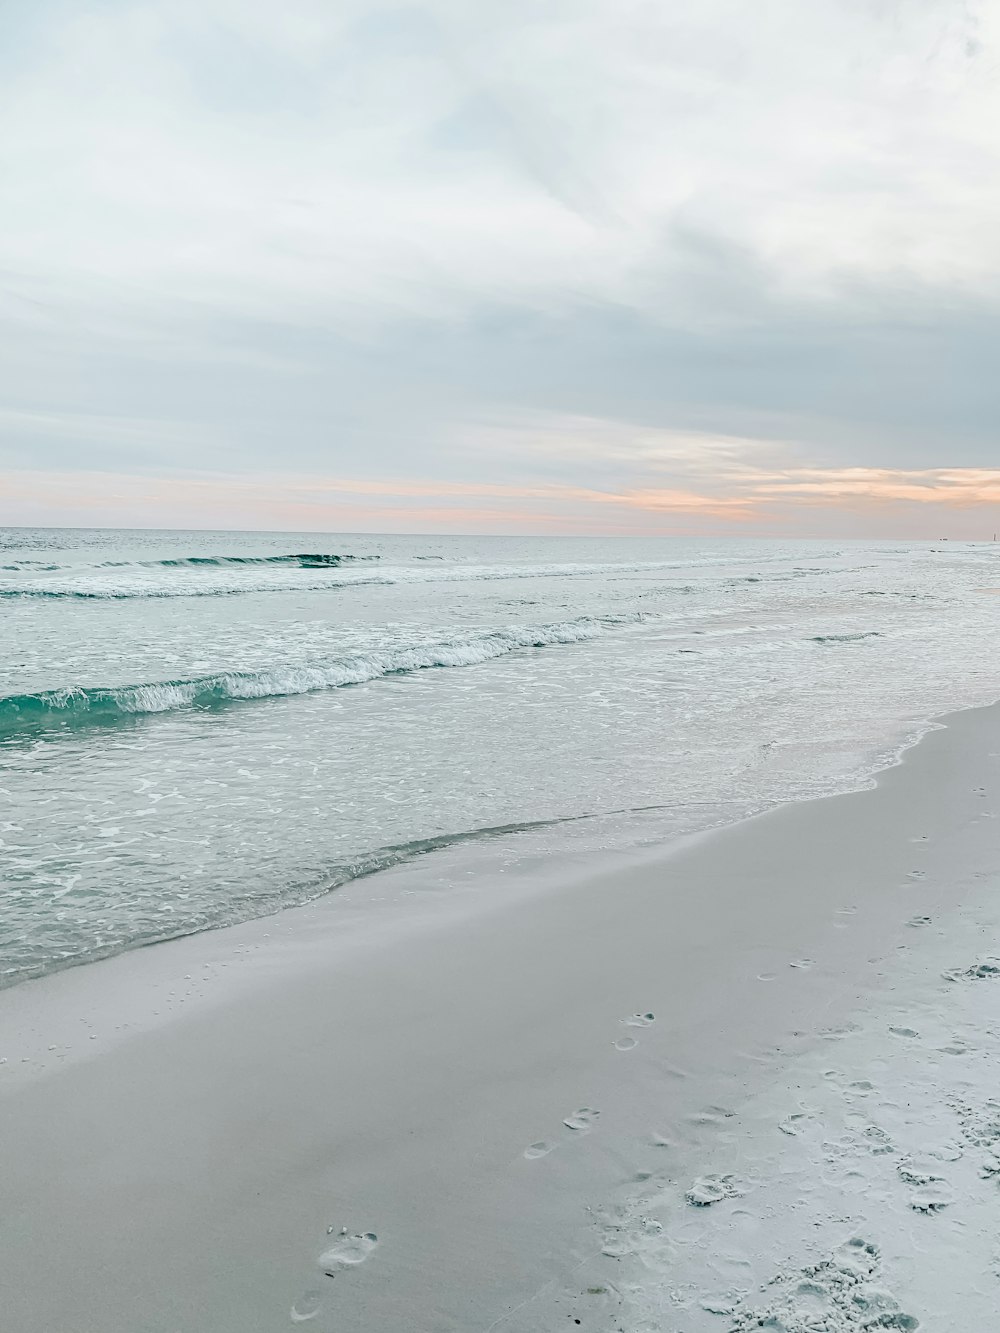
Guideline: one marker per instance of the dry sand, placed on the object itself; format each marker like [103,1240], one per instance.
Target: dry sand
[725,1085]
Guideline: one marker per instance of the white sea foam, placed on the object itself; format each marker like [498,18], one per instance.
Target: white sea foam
[221,579]
[19,713]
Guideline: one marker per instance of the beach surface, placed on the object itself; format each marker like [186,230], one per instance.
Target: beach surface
[749,1078]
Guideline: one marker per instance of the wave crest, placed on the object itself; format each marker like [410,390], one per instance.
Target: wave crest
[303,560]
[190,576]
[846,638]
[25,714]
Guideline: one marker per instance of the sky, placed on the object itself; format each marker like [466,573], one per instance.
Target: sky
[553,266]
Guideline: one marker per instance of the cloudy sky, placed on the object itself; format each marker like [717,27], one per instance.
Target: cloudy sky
[502,265]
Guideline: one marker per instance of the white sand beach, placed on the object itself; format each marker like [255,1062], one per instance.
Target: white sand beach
[499,690]
[747,1082]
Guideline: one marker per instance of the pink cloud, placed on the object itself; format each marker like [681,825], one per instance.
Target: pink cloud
[780,499]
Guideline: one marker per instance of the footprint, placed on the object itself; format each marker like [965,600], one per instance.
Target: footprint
[711,1115]
[977,972]
[878,1141]
[945,1152]
[626,1044]
[858,1256]
[918,1171]
[904,1032]
[980,1128]
[919,921]
[792,1124]
[539,1149]
[872,1136]
[708,1190]
[582,1120]
[306,1307]
[718,1304]
[880,1309]
[638,1020]
[931,1198]
[835,1293]
[347,1252]
[804,964]
[629,1236]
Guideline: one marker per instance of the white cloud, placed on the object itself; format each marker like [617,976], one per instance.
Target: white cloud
[594,448]
[356,161]
[606,243]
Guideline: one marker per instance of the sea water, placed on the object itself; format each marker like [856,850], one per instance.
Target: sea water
[201,727]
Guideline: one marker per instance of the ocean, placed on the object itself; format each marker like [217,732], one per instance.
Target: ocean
[197,728]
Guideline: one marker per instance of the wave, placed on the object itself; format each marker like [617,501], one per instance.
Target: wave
[303,560]
[228,583]
[799,572]
[320,560]
[32,567]
[130,594]
[845,638]
[26,714]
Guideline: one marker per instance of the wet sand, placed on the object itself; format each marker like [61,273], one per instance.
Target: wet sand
[477,1093]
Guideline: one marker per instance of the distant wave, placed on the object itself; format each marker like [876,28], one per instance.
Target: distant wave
[230,580]
[119,594]
[306,560]
[799,572]
[24,714]
[321,560]
[845,638]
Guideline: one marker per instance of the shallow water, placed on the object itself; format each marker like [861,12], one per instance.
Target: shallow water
[200,727]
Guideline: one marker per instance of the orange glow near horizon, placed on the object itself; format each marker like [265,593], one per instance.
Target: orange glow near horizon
[739,496]
[951,487]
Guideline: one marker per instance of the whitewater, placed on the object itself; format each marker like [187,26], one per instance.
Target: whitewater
[198,728]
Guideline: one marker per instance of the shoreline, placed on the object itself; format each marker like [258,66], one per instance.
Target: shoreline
[479,841]
[382,1061]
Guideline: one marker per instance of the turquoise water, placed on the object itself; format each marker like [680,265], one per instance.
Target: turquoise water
[196,728]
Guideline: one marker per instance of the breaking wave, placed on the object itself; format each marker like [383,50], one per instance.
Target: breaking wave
[304,560]
[320,560]
[25,714]
[94,586]
[845,638]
